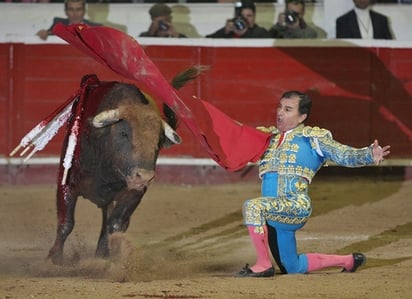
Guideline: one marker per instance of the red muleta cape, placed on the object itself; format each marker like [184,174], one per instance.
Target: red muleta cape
[231,144]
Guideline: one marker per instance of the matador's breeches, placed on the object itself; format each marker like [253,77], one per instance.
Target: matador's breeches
[284,200]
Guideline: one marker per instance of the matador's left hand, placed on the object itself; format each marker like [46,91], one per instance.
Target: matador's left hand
[379,152]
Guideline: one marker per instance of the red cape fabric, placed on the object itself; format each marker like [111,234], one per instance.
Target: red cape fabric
[231,144]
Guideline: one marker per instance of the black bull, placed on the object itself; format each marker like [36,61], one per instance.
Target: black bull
[119,141]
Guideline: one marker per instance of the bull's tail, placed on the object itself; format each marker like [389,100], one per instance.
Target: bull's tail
[188,74]
[178,82]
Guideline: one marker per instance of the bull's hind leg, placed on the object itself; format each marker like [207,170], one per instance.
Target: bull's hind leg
[66,203]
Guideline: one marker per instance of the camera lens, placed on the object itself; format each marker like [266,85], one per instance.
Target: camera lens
[163,26]
[239,23]
[291,17]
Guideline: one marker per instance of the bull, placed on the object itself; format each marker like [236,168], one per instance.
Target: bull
[121,133]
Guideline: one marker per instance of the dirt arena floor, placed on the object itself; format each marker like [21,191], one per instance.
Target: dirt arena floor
[187,241]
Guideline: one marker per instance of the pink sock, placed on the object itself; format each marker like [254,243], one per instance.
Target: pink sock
[317,261]
[260,241]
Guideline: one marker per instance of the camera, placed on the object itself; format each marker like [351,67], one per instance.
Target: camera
[163,26]
[291,17]
[240,23]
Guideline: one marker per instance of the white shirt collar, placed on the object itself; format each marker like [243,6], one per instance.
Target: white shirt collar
[364,22]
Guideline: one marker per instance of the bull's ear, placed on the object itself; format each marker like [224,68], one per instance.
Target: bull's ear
[106,118]
[171,136]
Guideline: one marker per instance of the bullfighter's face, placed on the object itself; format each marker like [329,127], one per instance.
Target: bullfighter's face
[288,116]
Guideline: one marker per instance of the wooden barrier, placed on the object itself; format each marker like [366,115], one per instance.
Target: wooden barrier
[359,91]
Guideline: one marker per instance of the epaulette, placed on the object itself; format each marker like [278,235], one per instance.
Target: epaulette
[315,132]
[271,129]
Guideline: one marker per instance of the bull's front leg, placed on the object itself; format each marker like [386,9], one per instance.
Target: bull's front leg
[103,243]
[66,203]
[117,217]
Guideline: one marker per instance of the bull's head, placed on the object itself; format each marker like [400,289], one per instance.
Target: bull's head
[137,133]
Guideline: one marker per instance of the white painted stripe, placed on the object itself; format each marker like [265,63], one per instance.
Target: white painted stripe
[169,161]
[32,161]
[186,161]
[234,43]
[160,161]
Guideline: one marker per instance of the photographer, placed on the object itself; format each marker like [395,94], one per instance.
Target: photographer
[243,24]
[291,24]
[161,25]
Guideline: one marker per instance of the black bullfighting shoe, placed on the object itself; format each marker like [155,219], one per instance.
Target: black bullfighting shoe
[358,260]
[247,272]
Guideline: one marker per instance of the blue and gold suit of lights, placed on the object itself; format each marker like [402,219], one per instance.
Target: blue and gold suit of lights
[286,171]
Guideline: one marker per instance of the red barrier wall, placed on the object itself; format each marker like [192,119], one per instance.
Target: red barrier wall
[359,93]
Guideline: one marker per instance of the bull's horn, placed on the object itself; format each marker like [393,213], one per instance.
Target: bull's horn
[171,134]
[106,118]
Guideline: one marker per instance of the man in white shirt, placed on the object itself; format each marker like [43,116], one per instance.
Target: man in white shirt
[363,22]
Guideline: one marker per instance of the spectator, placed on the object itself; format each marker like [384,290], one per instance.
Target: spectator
[291,24]
[75,11]
[362,22]
[161,25]
[243,24]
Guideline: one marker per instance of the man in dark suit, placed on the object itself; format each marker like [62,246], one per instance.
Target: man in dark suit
[362,22]
[75,11]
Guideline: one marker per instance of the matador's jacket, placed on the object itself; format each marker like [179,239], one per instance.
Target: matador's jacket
[286,170]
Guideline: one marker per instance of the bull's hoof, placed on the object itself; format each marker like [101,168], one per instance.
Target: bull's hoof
[116,244]
[102,252]
[56,259]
